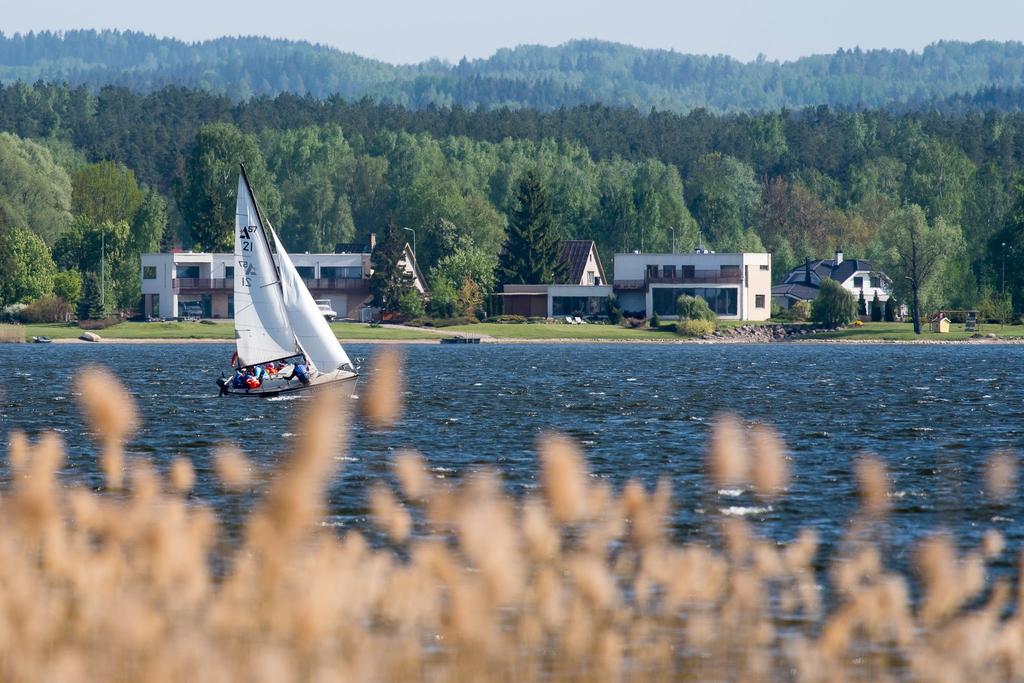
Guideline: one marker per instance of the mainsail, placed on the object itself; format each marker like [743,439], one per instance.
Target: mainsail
[314,335]
[262,329]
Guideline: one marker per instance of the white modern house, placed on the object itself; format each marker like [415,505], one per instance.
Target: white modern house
[737,286]
[182,284]
[583,293]
[855,275]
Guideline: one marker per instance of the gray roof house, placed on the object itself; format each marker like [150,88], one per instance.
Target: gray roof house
[856,275]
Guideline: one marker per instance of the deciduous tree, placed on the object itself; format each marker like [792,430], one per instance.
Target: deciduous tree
[914,253]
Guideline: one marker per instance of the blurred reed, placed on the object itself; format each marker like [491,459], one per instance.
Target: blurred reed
[12,333]
[577,582]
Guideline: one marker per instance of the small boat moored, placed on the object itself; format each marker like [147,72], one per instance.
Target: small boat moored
[460,339]
[41,340]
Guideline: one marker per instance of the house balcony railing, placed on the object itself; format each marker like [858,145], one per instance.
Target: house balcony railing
[336,283]
[202,284]
[192,285]
[697,277]
[713,277]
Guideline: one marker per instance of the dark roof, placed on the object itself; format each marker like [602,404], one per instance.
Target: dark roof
[827,268]
[796,291]
[574,255]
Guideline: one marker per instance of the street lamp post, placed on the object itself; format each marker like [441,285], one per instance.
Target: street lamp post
[1004,268]
[102,269]
[413,240]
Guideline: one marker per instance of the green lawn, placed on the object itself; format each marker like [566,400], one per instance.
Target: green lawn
[905,332]
[360,331]
[559,331]
[225,331]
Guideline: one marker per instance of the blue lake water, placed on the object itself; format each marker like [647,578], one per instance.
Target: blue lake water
[933,413]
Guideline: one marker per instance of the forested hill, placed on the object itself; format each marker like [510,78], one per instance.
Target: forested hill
[949,75]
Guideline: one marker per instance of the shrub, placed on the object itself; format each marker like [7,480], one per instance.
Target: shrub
[654,322]
[612,310]
[834,305]
[444,322]
[695,328]
[99,323]
[693,308]
[12,312]
[507,318]
[862,304]
[46,309]
[800,311]
[410,304]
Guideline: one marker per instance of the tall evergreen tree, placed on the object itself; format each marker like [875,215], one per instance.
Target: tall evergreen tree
[532,253]
[390,279]
[876,309]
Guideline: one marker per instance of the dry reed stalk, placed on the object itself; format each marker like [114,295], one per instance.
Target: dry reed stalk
[873,483]
[728,460]
[1001,475]
[12,333]
[580,584]
[382,399]
[233,469]
[564,476]
[182,475]
[111,412]
[770,469]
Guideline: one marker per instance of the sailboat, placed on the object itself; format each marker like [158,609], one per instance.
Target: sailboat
[281,337]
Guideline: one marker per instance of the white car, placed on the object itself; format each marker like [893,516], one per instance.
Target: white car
[325,308]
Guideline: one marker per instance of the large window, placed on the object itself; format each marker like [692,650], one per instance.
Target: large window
[187,271]
[340,272]
[229,272]
[148,272]
[876,281]
[306,272]
[721,300]
[668,271]
[858,283]
[652,271]
[759,301]
[576,305]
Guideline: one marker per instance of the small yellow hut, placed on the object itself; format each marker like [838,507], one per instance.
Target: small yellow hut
[940,324]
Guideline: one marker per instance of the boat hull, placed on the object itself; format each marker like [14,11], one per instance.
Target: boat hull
[342,380]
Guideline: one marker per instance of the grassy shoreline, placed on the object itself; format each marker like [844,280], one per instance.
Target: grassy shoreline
[504,333]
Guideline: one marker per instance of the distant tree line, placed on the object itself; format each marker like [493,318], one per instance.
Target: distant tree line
[579,72]
[797,183]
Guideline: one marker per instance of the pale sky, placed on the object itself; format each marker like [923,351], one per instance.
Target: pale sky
[403,31]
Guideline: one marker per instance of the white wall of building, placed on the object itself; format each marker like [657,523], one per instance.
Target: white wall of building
[163,268]
[753,291]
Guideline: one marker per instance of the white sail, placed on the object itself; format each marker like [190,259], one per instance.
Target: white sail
[262,330]
[314,335]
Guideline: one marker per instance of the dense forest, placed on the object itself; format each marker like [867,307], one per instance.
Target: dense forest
[797,182]
[944,75]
